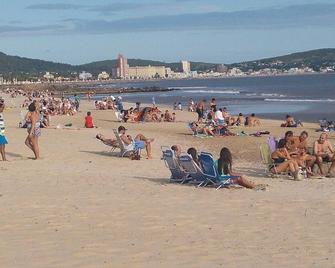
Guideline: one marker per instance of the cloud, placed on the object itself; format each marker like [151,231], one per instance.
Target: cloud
[116,7]
[9,29]
[275,18]
[297,16]
[103,9]
[55,6]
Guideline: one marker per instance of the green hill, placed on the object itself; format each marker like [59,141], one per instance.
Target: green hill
[14,66]
[315,59]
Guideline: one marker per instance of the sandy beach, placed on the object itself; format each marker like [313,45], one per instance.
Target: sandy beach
[83,206]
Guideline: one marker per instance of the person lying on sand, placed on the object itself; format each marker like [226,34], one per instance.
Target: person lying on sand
[290,122]
[324,152]
[108,142]
[225,170]
[139,142]
[201,130]
[283,161]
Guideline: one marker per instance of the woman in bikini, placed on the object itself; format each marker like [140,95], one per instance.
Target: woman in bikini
[34,130]
[283,160]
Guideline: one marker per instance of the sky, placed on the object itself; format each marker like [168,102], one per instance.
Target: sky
[218,31]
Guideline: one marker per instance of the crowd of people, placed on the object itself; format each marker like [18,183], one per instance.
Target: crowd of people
[223,165]
[135,114]
[293,154]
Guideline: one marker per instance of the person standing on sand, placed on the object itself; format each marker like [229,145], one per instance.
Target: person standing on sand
[3,140]
[34,130]
[76,102]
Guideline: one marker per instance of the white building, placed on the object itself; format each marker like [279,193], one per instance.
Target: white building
[48,76]
[103,76]
[85,76]
[186,66]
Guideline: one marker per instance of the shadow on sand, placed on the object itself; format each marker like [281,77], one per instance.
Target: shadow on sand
[103,153]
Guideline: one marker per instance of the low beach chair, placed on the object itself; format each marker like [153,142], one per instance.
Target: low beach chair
[272,142]
[208,167]
[123,151]
[178,174]
[199,177]
[266,159]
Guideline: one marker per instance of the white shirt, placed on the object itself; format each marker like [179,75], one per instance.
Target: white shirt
[218,115]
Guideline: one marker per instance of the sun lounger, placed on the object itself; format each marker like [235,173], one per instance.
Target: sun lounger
[123,151]
[178,174]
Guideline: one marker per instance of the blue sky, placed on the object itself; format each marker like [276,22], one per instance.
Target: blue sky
[221,31]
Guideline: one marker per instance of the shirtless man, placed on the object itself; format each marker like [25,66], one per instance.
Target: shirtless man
[167,116]
[140,141]
[299,151]
[324,152]
[254,121]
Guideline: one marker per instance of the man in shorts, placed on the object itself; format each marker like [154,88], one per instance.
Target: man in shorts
[138,143]
[324,152]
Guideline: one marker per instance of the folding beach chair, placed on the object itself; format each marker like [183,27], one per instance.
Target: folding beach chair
[199,177]
[272,144]
[178,174]
[208,167]
[266,158]
[123,151]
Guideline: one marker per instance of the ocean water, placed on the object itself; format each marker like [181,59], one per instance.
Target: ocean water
[307,97]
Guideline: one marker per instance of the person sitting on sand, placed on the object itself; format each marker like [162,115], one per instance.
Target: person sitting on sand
[289,122]
[324,152]
[240,121]
[298,149]
[139,142]
[224,167]
[193,152]
[283,161]
[167,116]
[219,116]
[89,120]
[254,121]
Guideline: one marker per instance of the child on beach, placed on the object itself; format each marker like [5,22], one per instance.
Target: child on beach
[3,140]
[89,120]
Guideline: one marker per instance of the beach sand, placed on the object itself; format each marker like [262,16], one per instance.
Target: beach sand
[82,206]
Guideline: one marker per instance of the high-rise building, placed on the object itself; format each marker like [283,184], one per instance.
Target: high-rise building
[186,66]
[122,66]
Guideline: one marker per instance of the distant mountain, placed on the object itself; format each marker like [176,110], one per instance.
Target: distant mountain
[314,59]
[14,66]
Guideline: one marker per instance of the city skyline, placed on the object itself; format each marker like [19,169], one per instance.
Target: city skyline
[215,31]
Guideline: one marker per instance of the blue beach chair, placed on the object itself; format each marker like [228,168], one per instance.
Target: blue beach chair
[208,167]
[178,174]
[199,176]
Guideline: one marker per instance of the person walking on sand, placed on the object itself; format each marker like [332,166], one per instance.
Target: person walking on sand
[3,140]
[34,130]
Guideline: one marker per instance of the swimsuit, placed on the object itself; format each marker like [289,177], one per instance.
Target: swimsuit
[37,130]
